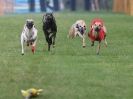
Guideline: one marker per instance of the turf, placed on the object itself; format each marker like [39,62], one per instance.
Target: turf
[68,71]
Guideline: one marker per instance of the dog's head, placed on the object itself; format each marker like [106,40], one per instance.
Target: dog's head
[97,26]
[29,23]
[81,26]
[48,17]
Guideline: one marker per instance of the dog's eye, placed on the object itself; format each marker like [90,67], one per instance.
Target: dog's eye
[85,27]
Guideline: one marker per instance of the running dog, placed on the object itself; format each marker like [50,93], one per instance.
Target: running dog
[97,32]
[29,35]
[49,29]
[78,29]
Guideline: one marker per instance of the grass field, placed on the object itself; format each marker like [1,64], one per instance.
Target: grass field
[68,71]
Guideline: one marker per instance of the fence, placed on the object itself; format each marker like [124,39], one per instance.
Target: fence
[125,6]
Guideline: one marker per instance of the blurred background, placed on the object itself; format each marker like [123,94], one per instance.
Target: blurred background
[35,6]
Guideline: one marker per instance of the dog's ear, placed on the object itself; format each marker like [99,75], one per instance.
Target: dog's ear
[100,25]
[44,15]
[27,20]
[32,22]
[92,26]
[52,13]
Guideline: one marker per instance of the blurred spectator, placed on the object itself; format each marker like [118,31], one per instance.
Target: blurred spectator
[95,5]
[73,5]
[87,4]
[31,5]
[104,4]
[61,5]
[67,4]
[49,6]
[56,5]
[43,5]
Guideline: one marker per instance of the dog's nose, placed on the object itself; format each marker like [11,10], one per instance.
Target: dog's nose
[97,29]
[82,30]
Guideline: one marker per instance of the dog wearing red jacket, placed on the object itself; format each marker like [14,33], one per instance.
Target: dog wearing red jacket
[97,32]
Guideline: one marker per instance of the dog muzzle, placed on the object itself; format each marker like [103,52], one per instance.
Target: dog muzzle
[97,29]
[81,30]
[29,25]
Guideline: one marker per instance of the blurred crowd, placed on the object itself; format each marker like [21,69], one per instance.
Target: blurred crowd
[96,5]
[25,6]
[57,5]
[91,5]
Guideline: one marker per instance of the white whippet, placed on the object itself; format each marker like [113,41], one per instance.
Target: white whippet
[78,29]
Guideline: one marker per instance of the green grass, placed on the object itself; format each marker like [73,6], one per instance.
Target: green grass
[68,71]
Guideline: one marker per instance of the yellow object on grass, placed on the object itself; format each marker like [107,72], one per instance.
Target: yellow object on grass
[32,92]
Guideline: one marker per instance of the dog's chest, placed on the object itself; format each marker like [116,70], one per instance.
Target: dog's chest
[49,30]
[29,33]
[49,26]
[95,34]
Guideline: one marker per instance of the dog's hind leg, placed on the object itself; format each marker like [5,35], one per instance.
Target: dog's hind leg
[98,47]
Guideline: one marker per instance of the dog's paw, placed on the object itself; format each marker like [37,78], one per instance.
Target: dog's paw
[33,49]
[97,53]
[31,43]
[84,46]
[92,44]
[53,46]
[27,44]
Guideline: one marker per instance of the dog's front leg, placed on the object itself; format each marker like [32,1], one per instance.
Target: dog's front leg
[33,46]
[92,43]
[49,43]
[105,42]
[83,38]
[53,39]
[47,39]
[34,40]
[22,44]
[98,47]
[83,41]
